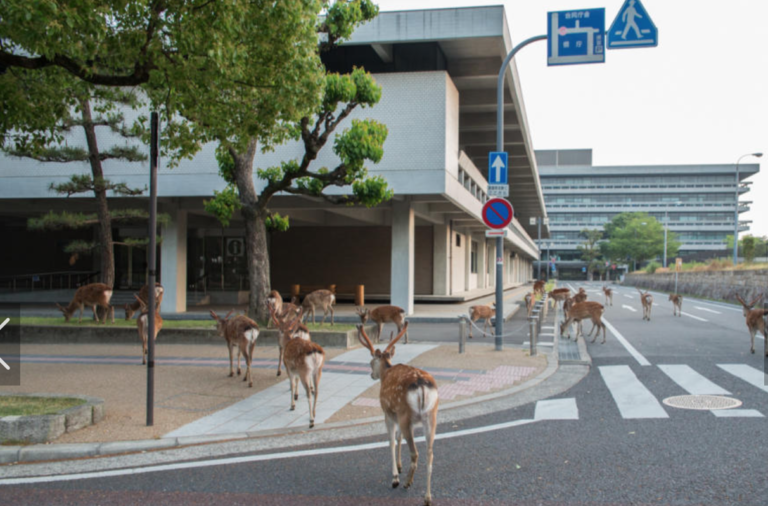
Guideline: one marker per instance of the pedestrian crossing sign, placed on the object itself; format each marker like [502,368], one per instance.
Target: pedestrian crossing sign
[632,27]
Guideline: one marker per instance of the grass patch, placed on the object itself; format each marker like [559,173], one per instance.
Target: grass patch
[167,324]
[27,406]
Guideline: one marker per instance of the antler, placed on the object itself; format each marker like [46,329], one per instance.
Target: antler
[228,315]
[401,334]
[363,338]
[738,297]
[143,304]
[757,299]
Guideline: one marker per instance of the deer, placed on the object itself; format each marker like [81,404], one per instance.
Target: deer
[608,296]
[559,295]
[538,287]
[382,315]
[530,299]
[581,311]
[93,296]
[408,396]
[324,299]
[677,304]
[240,332]
[142,323]
[303,361]
[299,331]
[479,312]
[581,296]
[274,300]
[647,300]
[130,309]
[755,321]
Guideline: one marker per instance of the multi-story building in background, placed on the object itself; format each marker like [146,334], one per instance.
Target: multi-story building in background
[696,202]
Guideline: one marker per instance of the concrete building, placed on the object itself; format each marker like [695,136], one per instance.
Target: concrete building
[697,202]
[438,71]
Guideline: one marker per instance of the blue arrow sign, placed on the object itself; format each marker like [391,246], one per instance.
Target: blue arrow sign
[497,167]
[576,37]
[632,27]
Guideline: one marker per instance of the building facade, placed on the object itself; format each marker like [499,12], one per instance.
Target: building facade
[696,202]
[438,71]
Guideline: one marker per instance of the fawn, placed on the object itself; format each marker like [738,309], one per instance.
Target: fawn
[92,295]
[303,361]
[300,331]
[324,299]
[382,315]
[581,311]
[608,296]
[480,312]
[677,304]
[755,321]
[647,300]
[240,332]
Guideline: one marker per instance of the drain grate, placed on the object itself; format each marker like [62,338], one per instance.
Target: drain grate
[702,402]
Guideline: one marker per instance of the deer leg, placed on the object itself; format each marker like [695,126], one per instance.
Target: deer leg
[471,324]
[380,327]
[294,380]
[306,381]
[80,319]
[112,313]
[752,333]
[407,428]
[315,387]
[280,361]
[238,361]
[250,359]
[231,370]
[430,424]
[392,431]
[331,308]
[399,451]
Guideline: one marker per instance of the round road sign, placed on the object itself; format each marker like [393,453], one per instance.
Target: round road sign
[497,213]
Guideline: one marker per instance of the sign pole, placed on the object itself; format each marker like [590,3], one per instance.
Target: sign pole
[538,243]
[152,264]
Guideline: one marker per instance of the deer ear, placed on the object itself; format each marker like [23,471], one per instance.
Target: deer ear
[60,308]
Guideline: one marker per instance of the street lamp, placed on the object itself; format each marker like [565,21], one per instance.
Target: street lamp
[736,211]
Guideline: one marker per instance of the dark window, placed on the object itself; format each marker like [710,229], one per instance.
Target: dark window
[473,258]
[458,241]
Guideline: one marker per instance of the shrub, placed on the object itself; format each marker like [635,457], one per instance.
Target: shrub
[652,267]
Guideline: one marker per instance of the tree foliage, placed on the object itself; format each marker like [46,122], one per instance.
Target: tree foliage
[590,249]
[636,237]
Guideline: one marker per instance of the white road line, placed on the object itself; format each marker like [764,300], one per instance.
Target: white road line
[694,317]
[557,409]
[630,395]
[629,296]
[629,307]
[737,413]
[2,362]
[691,381]
[631,349]
[753,376]
[250,458]
[708,310]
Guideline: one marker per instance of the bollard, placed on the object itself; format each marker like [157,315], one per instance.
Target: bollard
[462,332]
[532,331]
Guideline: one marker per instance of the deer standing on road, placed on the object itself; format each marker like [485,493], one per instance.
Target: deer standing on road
[647,300]
[142,323]
[303,361]
[538,287]
[274,300]
[382,315]
[130,309]
[530,300]
[93,296]
[323,299]
[677,304]
[408,396]
[559,295]
[581,311]
[755,321]
[240,332]
[281,323]
[608,296]
[480,312]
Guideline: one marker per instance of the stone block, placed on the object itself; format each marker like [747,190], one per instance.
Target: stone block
[33,429]
[57,452]
[78,417]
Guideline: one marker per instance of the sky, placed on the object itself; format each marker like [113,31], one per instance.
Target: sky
[699,97]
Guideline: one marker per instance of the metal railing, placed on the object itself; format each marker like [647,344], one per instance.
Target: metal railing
[59,280]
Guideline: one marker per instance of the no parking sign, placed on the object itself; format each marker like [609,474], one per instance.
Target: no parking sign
[498,213]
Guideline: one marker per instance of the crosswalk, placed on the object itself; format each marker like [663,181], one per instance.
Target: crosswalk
[634,400]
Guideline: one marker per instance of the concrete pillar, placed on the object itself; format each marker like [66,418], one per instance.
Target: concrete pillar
[403,255]
[441,265]
[173,263]
[482,279]
[467,262]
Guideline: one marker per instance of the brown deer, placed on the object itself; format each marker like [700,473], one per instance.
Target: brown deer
[479,312]
[323,299]
[581,296]
[382,315]
[581,311]
[142,323]
[93,296]
[303,361]
[647,300]
[408,396]
[677,304]
[755,321]
[538,287]
[130,309]
[281,321]
[274,300]
[608,296]
[530,300]
[559,295]
[240,332]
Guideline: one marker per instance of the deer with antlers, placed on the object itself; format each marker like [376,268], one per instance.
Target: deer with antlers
[647,301]
[93,295]
[130,309]
[608,296]
[408,396]
[323,299]
[303,361]
[382,315]
[142,323]
[581,311]
[481,312]
[240,332]
[755,320]
[281,321]
[677,304]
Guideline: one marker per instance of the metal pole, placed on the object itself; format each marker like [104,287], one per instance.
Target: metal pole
[462,332]
[499,293]
[666,221]
[532,332]
[152,263]
[538,242]
[675,278]
[547,262]
[736,218]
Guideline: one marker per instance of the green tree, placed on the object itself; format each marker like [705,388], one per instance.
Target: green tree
[748,248]
[362,141]
[590,250]
[637,237]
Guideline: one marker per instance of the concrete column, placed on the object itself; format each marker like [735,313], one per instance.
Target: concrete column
[441,265]
[482,280]
[173,263]
[403,255]
[467,262]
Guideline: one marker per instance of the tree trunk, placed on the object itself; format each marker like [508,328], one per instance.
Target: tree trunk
[255,215]
[106,246]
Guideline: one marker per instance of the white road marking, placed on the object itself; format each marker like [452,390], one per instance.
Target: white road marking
[694,317]
[691,381]
[708,310]
[2,362]
[629,307]
[630,395]
[631,349]
[753,376]
[557,409]
[737,413]
[628,296]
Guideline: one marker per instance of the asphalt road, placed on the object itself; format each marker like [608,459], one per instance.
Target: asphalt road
[624,445]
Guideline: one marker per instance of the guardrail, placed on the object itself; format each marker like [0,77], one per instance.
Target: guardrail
[59,280]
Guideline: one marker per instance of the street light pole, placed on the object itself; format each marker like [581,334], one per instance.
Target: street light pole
[666,224]
[736,210]
[538,220]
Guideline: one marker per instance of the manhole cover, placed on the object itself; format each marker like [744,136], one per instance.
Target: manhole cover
[702,402]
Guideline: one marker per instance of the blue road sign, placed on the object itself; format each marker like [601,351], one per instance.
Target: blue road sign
[576,36]
[497,167]
[632,27]
[497,213]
